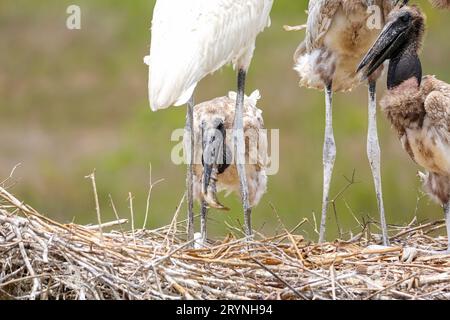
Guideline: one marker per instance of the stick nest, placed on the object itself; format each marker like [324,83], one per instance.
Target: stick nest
[43,259]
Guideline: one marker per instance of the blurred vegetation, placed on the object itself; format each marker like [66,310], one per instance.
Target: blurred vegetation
[72,101]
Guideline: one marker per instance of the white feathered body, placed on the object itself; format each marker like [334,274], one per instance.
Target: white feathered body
[194,38]
[338,35]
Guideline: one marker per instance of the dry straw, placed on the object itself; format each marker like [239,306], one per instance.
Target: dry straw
[43,259]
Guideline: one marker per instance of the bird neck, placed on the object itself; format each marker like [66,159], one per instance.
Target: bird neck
[403,67]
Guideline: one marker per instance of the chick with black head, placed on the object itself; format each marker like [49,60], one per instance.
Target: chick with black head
[214,167]
[417,107]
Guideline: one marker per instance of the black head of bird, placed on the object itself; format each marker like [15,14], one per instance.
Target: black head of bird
[399,42]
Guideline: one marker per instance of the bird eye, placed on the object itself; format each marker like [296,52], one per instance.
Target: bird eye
[405,17]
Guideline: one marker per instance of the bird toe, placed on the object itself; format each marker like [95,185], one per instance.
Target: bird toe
[409,254]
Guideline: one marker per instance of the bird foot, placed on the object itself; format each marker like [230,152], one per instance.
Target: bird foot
[199,241]
[411,253]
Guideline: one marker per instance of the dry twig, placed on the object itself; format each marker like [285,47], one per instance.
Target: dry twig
[43,259]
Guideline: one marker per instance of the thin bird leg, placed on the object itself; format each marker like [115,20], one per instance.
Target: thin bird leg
[248,224]
[240,152]
[203,222]
[329,156]
[447,221]
[190,169]
[374,155]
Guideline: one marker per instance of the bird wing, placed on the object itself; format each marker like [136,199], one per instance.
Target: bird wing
[191,39]
[320,17]
[437,103]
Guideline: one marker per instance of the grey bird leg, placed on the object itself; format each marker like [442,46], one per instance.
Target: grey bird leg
[190,169]
[239,143]
[374,155]
[329,156]
[248,223]
[203,222]
[447,221]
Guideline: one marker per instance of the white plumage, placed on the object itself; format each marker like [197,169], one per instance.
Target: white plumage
[194,38]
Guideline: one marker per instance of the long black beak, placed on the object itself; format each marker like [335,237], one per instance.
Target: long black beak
[385,47]
[213,142]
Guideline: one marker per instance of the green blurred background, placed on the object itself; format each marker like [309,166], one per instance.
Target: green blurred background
[72,101]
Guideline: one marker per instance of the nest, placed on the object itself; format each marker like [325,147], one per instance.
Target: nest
[43,259]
